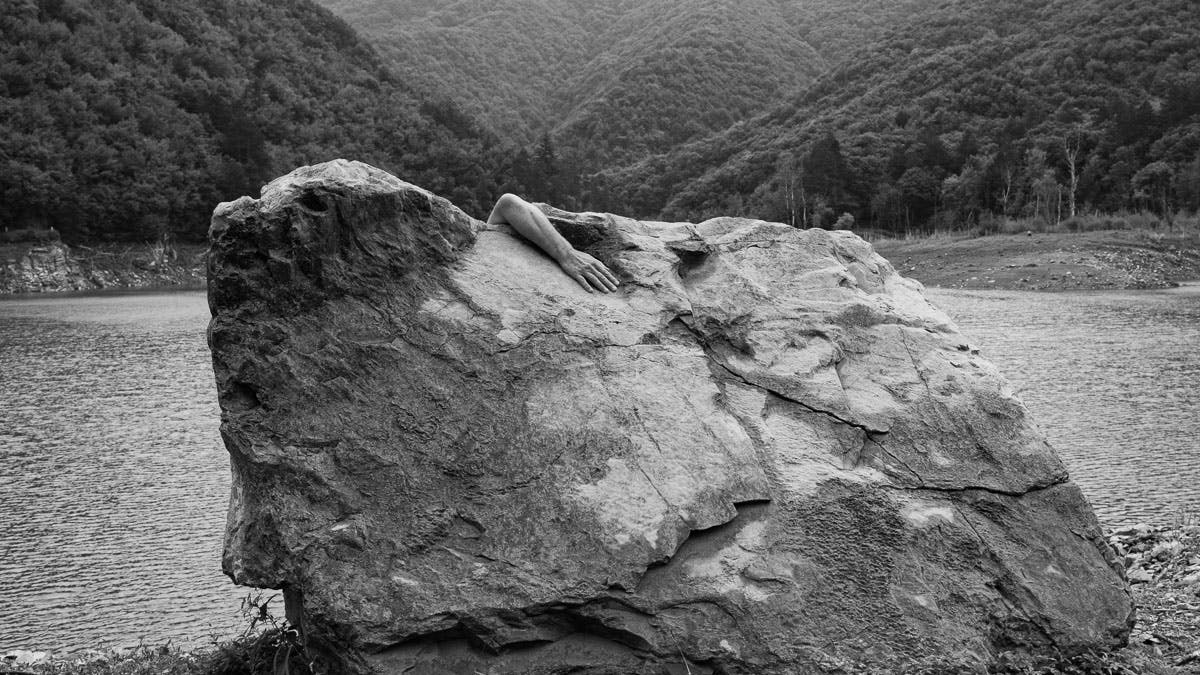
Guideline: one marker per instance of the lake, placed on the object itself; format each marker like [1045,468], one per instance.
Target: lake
[1113,380]
[114,478]
[114,482]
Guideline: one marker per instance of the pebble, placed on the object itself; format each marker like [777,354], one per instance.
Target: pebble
[1139,575]
[24,657]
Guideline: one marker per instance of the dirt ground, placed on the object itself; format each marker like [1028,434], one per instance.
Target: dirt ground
[1110,259]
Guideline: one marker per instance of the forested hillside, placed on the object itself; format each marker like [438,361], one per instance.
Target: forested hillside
[524,66]
[132,119]
[966,114]
[582,86]
[505,61]
[678,74]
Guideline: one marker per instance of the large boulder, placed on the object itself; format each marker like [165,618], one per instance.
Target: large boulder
[765,453]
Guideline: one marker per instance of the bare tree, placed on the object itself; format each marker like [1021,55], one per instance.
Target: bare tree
[787,171]
[1071,151]
[1007,193]
[1072,144]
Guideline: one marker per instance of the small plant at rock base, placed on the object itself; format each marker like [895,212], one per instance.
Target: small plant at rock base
[267,646]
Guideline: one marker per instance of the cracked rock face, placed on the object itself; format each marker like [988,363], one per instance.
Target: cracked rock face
[766,453]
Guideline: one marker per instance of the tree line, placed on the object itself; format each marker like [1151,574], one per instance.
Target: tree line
[1129,157]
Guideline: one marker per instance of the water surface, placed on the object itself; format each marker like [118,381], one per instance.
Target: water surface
[1113,380]
[113,479]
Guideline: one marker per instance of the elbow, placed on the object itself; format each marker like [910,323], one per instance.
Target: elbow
[509,202]
[506,209]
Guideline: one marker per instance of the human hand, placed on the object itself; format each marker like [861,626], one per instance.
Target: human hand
[589,272]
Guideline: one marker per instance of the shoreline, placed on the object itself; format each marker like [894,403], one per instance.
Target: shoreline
[149,289]
[1049,261]
[1161,563]
[1035,261]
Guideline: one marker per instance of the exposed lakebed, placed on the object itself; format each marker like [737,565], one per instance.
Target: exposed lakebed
[114,481]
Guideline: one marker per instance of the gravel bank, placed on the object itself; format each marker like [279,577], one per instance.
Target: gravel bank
[1113,259]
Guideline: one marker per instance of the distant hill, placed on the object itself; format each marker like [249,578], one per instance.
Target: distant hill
[131,119]
[675,71]
[504,61]
[604,82]
[964,114]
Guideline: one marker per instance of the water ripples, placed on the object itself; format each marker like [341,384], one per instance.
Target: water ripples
[114,481]
[1112,379]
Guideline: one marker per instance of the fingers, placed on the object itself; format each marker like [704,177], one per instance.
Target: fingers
[610,280]
[598,281]
[592,274]
[578,276]
[610,277]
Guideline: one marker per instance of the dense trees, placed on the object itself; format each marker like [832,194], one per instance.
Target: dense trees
[969,113]
[929,114]
[524,67]
[131,119]
[614,81]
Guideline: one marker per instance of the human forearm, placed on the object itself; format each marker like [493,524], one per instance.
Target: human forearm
[533,225]
[542,233]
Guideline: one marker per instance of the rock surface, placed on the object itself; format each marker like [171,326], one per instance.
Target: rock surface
[41,268]
[766,453]
[54,267]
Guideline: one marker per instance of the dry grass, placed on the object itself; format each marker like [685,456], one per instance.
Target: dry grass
[266,646]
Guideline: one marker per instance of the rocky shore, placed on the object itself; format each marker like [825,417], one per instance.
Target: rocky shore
[1116,259]
[52,266]
[1113,259]
[1163,568]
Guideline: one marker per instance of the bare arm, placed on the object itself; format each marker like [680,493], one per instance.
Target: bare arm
[534,226]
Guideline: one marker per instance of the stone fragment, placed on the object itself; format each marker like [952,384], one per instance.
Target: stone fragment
[1139,575]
